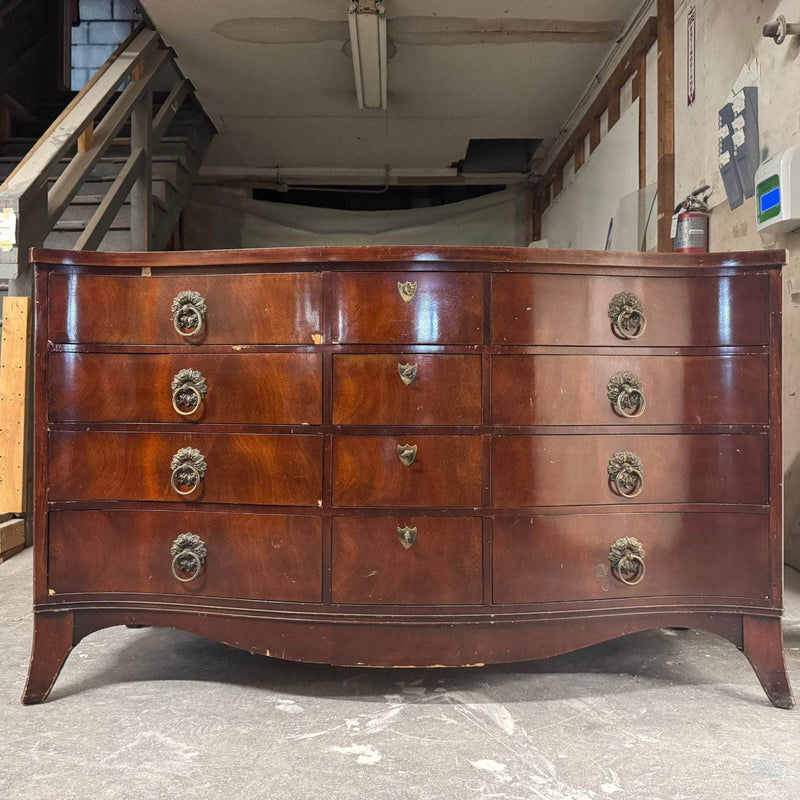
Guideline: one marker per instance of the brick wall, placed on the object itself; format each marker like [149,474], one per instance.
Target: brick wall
[104,24]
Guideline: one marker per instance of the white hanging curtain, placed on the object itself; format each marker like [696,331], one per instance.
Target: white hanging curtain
[228,218]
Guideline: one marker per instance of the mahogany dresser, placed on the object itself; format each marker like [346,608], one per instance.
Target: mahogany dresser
[408,456]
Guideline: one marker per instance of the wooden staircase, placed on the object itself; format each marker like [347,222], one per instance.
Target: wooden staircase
[175,163]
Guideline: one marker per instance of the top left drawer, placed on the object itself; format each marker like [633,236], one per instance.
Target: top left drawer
[270,308]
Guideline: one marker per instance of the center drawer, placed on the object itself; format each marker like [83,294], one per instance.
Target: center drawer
[410,471]
[407,307]
[406,389]
[245,388]
[407,561]
[247,556]
[279,470]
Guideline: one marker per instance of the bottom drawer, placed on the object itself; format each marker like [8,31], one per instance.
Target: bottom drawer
[556,558]
[248,556]
[441,563]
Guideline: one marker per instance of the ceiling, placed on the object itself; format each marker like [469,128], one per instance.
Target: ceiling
[277,79]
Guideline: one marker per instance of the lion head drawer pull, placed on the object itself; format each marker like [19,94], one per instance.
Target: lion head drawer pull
[407,536]
[408,372]
[188,391]
[188,467]
[627,315]
[625,473]
[626,557]
[626,395]
[189,313]
[407,453]
[407,290]
[188,555]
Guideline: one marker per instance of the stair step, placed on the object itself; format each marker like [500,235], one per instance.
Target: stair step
[80,225]
[114,241]
[83,212]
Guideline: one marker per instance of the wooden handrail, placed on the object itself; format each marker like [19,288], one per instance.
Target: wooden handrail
[74,102]
[32,174]
[91,124]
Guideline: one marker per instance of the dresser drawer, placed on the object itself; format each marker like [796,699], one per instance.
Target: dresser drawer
[253,388]
[278,470]
[558,558]
[441,564]
[445,471]
[248,556]
[408,307]
[280,308]
[577,470]
[651,390]
[406,389]
[574,310]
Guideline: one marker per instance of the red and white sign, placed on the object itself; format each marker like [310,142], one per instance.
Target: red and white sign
[691,55]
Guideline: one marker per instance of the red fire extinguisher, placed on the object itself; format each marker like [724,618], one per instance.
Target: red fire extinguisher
[690,222]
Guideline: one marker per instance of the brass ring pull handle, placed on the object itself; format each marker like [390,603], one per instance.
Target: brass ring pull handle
[407,290]
[189,313]
[188,390]
[626,395]
[408,372]
[407,536]
[407,453]
[188,555]
[627,315]
[188,467]
[625,470]
[626,557]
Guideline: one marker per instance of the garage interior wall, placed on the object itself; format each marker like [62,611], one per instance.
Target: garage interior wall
[728,39]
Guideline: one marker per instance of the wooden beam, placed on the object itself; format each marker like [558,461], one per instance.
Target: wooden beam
[13,403]
[641,90]
[666,122]
[86,139]
[626,67]
[594,135]
[613,108]
[580,154]
[166,113]
[12,538]
[141,202]
[109,207]
[558,183]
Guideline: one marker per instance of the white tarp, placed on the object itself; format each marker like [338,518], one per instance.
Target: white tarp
[228,218]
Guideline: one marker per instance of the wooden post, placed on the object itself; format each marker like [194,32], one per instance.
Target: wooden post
[86,139]
[141,200]
[13,404]
[666,122]
[594,135]
[613,107]
[641,90]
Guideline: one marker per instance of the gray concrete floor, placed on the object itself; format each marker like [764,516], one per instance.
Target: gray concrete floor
[157,713]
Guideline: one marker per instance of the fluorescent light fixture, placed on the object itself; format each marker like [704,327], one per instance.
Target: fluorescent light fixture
[367,20]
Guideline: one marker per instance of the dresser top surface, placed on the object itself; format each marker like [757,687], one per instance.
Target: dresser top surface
[421,257]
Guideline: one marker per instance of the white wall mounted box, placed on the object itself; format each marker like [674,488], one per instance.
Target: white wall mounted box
[778,192]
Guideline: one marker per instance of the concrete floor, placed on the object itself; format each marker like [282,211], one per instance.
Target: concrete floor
[156,713]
